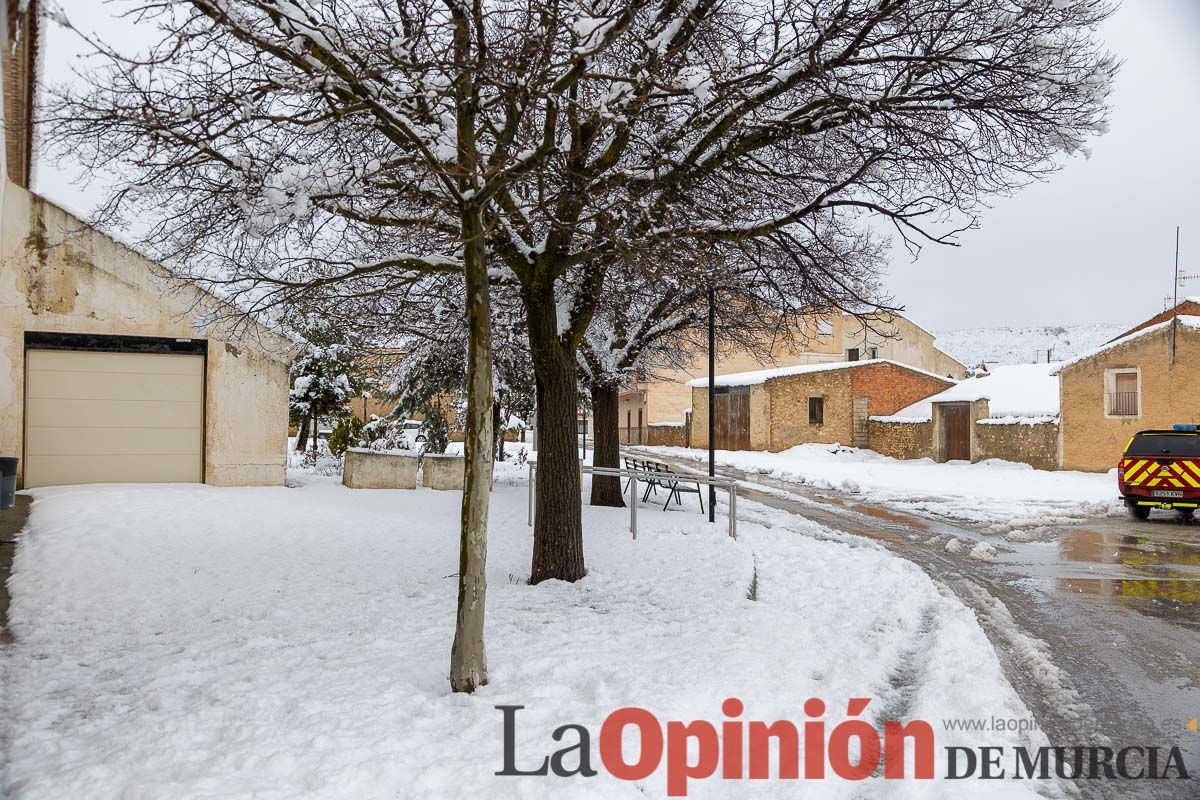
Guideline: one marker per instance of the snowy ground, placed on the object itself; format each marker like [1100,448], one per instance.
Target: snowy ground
[1002,497]
[191,641]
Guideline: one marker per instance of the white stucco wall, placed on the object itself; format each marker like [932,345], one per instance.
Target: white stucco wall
[58,275]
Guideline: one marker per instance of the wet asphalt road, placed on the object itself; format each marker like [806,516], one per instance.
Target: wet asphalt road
[1098,626]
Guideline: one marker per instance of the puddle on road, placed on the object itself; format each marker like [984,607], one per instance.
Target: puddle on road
[1154,572]
[896,517]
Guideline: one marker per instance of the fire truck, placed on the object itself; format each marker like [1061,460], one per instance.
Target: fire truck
[1161,469]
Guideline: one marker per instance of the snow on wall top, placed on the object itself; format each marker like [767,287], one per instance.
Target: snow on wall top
[763,375]
[1019,391]
[1186,320]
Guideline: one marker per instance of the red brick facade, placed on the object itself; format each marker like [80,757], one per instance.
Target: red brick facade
[890,387]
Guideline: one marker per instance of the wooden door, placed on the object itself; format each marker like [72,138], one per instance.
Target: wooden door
[733,418]
[861,438]
[956,432]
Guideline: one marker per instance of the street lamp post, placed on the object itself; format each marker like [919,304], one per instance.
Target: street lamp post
[712,405]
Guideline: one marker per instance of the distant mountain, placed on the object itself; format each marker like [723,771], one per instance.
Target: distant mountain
[1024,345]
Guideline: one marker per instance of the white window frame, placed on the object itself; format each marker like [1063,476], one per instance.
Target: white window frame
[1110,388]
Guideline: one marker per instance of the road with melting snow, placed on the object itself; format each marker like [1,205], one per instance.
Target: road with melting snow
[1097,625]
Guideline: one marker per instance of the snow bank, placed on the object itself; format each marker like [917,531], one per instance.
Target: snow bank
[187,641]
[1001,496]
[1016,392]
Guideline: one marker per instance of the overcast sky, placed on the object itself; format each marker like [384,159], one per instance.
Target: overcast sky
[1095,243]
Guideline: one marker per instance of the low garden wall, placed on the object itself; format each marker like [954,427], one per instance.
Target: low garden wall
[901,439]
[443,471]
[1033,443]
[379,469]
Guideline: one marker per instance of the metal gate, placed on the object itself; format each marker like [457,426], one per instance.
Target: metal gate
[956,432]
[733,418]
[861,437]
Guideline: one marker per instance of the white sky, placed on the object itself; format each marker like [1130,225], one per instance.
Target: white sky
[1093,244]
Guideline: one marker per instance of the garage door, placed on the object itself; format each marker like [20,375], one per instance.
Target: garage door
[94,417]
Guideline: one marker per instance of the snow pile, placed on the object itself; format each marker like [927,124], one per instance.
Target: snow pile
[1002,497]
[1026,393]
[187,641]
[1007,345]
[756,377]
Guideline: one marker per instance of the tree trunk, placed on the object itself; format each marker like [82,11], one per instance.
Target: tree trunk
[316,429]
[498,438]
[606,447]
[302,435]
[468,659]
[558,525]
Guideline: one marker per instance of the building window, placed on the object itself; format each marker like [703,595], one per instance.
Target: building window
[852,354]
[872,352]
[1124,395]
[825,329]
[816,411]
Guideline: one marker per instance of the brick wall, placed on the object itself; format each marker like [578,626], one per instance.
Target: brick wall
[1169,388]
[902,440]
[890,388]
[1036,445]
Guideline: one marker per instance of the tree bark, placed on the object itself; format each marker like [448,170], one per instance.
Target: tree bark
[468,659]
[302,435]
[558,525]
[606,448]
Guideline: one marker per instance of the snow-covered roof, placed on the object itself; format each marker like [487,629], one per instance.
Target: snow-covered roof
[1186,320]
[1020,391]
[763,375]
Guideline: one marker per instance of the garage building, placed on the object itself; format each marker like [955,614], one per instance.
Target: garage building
[106,372]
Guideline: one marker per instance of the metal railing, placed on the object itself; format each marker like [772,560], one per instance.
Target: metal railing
[1123,404]
[634,475]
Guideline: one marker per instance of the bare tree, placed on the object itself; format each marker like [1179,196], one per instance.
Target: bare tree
[351,147]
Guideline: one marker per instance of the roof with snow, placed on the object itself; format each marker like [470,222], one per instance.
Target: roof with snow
[1186,320]
[763,375]
[1018,392]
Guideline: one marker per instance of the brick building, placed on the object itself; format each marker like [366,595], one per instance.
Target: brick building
[824,403]
[1148,378]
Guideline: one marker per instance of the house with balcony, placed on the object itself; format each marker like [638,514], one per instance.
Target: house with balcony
[1149,377]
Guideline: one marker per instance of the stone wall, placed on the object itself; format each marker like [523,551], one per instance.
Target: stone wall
[903,440]
[1035,444]
[667,435]
[789,409]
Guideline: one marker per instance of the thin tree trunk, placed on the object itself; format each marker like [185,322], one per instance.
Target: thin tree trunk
[498,438]
[302,435]
[558,525]
[606,448]
[315,430]
[468,659]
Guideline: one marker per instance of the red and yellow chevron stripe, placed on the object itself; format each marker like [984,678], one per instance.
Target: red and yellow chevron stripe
[1148,472]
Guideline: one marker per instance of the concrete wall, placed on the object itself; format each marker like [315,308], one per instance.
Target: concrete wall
[1169,388]
[57,275]
[1036,444]
[446,472]
[903,440]
[372,469]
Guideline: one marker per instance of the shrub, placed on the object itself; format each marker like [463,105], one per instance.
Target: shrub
[436,431]
[346,434]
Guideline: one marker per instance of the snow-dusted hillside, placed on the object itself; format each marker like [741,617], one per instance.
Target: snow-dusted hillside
[1025,345]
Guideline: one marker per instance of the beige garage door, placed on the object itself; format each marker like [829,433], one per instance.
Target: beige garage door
[113,418]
